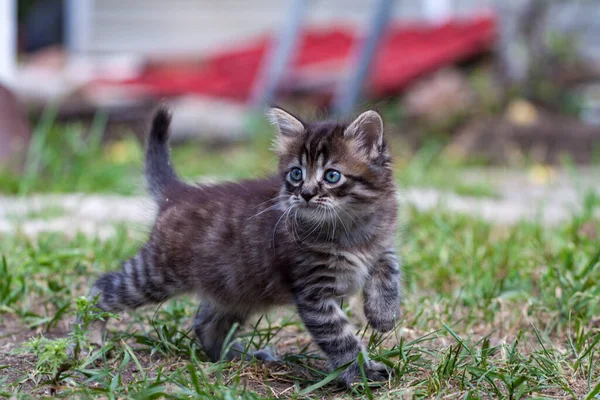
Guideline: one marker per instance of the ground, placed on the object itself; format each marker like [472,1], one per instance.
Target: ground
[500,302]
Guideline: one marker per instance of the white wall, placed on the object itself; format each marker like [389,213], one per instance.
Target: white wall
[184,26]
[197,26]
[8,41]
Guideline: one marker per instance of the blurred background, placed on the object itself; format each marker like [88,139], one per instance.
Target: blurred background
[480,98]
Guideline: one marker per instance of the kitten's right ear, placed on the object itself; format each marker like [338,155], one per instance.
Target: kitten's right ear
[286,124]
[288,128]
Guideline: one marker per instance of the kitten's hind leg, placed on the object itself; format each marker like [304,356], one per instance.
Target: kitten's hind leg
[212,326]
[137,284]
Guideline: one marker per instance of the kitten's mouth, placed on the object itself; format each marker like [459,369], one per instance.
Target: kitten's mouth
[312,210]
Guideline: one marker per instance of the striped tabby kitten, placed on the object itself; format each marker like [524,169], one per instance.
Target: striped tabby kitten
[318,231]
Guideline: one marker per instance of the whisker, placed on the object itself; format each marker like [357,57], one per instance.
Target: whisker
[318,222]
[340,218]
[334,226]
[278,197]
[277,223]
[322,224]
[291,220]
[295,226]
[262,212]
[352,219]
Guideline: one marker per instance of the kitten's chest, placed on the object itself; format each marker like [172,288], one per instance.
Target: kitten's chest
[350,269]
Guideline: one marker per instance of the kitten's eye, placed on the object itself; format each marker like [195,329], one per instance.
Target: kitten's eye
[332,176]
[296,174]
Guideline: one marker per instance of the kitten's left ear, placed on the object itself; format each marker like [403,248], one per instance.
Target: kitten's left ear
[367,130]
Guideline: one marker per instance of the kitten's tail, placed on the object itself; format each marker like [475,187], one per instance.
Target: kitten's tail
[159,172]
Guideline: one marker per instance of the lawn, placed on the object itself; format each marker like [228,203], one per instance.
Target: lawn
[490,310]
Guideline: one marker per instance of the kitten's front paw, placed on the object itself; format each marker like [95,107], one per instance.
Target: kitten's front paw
[374,371]
[382,325]
[382,320]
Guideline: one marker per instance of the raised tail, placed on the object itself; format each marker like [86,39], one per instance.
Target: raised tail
[159,171]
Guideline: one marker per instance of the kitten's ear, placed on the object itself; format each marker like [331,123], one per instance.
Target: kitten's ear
[286,123]
[367,130]
[288,128]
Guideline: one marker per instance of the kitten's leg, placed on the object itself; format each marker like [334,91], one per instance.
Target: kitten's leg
[212,326]
[137,284]
[382,293]
[334,334]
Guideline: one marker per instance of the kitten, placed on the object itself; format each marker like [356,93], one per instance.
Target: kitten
[320,230]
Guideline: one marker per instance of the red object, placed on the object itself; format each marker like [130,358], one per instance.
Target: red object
[406,53]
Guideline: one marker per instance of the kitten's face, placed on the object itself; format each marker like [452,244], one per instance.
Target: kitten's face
[331,172]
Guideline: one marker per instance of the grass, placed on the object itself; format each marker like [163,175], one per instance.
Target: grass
[490,312]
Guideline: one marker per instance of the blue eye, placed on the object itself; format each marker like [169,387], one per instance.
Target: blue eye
[296,174]
[332,176]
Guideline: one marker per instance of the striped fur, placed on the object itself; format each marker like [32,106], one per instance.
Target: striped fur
[244,247]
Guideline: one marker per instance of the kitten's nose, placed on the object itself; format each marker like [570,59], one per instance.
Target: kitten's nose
[307,195]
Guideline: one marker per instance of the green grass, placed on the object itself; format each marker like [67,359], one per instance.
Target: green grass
[66,158]
[490,312]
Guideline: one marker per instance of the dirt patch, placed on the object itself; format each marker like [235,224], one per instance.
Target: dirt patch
[17,366]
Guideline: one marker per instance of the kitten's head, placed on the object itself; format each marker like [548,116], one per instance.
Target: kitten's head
[331,170]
